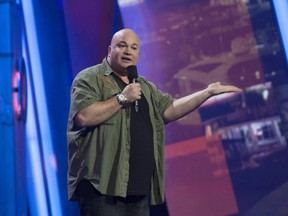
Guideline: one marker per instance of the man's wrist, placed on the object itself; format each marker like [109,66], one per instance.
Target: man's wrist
[121,98]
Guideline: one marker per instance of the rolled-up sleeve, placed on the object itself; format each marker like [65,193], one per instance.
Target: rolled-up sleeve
[163,100]
[83,93]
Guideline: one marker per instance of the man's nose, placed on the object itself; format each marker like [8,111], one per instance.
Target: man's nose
[128,51]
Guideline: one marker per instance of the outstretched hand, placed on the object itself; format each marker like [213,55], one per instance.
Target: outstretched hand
[217,88]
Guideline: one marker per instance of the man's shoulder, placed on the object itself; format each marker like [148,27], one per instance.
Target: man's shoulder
[93,70]
[146,81]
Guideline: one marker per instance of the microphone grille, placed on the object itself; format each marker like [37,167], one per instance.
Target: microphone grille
[132,72]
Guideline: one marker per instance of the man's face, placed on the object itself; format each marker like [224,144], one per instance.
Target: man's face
[123,51]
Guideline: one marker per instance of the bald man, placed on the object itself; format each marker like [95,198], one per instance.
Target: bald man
[116,153]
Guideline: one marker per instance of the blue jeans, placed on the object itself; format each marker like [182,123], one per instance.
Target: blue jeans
[92,203]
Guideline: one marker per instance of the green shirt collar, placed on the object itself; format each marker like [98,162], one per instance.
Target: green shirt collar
[108,69]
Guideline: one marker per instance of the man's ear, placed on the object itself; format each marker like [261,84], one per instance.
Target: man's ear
[109,50]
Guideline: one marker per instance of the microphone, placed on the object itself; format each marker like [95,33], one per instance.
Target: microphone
[132,76]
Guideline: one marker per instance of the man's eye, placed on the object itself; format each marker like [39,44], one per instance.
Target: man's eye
[134,48]
[122,45]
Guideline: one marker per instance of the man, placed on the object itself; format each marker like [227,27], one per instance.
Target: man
[116,153]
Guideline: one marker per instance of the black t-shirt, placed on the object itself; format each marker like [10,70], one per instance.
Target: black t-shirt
[141,150]
[141,160]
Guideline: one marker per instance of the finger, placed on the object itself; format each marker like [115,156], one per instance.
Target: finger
[233,89]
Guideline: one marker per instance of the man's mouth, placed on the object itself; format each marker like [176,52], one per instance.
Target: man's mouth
[126,59]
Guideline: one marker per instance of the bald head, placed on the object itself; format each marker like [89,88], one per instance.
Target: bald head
[123,51]
[125,33]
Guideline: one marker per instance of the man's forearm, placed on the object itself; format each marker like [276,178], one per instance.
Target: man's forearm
[183,106]
[97,113]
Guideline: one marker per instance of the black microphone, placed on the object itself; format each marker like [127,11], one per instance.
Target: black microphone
[132,76]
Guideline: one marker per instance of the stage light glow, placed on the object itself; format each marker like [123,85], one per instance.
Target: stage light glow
[124,3]
[41,115]
[281,11]
[35,184]
[15,95]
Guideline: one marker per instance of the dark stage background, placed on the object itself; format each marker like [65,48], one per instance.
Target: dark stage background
[227,158]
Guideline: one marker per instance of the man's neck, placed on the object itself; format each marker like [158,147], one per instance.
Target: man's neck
[124,78]
[122,75]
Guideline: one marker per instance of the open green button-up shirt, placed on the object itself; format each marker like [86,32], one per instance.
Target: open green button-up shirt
[100,154]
